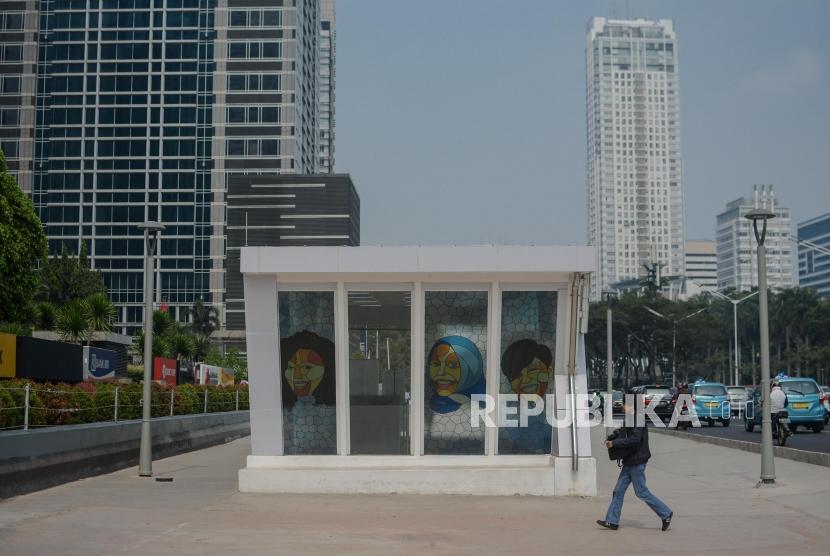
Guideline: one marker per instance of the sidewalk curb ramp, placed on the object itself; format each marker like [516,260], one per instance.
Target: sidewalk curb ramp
[815,458]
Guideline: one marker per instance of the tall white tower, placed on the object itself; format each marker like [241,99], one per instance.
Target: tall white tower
[635,172]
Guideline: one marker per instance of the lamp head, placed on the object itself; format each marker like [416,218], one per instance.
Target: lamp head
[152,227]
[760,214]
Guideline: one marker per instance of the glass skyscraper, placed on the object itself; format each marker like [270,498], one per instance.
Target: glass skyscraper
[142,109]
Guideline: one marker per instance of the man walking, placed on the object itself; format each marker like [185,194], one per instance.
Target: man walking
[635,441]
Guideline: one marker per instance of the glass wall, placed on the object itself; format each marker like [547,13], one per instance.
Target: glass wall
[528,343]
[379,372]
[455,343]
[307,367]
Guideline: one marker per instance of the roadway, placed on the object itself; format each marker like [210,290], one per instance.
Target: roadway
[802,440]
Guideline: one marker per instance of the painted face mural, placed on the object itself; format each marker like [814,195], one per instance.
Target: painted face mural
[444,370]
[307,363]
[533,379]
[304,371]
[527,365]
[456,371]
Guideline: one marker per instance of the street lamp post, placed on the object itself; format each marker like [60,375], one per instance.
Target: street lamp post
[735,303]
[673,337]
[609,364]
[145,458]
[760,215]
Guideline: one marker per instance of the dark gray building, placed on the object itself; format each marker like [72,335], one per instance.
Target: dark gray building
[285,210]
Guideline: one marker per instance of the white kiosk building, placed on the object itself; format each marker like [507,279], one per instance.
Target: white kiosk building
[365,364]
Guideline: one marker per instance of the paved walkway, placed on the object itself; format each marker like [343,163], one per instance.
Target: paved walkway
[718,510]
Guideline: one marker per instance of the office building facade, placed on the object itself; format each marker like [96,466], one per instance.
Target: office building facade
[634,181]
[813,264]
[143,110]
[18,62]
[328,46]
[737,247]
[702,265]
[286,210]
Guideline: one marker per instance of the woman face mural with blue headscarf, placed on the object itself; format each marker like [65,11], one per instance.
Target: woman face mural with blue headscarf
[456,371]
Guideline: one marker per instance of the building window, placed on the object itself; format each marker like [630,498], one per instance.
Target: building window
[307,367]
[253,50]
[528,344]
[455,343]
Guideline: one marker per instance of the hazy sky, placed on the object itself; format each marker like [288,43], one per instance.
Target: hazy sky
[463,121]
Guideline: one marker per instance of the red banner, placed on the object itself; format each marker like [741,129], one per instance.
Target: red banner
[164,370]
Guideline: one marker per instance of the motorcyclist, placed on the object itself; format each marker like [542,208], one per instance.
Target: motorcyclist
[777,402]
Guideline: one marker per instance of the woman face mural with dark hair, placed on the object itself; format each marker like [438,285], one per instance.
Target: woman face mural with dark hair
[456,371]
[307,368]
[528,367]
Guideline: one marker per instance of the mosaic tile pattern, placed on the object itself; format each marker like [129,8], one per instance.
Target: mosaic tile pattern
[453,314]
[527,315]
[308,428]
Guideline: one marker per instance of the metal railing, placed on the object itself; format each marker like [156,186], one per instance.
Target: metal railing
[29,408]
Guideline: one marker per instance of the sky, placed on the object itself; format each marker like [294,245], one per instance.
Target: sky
[463,121]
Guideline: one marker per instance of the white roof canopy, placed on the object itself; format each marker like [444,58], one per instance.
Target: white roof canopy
[385,263]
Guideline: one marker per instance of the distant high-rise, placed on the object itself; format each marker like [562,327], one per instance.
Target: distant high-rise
[635,174]
[813,265]
[738,248]
[702,265]
[18,68]
[328,45]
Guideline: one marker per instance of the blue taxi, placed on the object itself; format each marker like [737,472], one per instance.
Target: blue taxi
[711,402]
[805,405]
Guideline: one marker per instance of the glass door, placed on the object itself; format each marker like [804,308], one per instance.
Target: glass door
[379,371]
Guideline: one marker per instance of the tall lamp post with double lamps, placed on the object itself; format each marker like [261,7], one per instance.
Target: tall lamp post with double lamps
[759,217]
[673,337]
[145,457]
[735,303]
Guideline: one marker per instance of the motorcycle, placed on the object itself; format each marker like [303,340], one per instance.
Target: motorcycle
[781,428]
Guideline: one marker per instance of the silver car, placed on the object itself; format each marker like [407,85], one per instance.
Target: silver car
[737,398]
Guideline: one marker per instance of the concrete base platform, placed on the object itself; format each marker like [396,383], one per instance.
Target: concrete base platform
[476,475]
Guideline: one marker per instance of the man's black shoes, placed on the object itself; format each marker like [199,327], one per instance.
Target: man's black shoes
[612,526]
[667,521]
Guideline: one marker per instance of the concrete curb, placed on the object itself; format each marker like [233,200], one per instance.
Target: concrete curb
[815,458]
[42,458]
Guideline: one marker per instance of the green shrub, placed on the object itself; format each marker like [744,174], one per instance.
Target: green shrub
[104,400]
[188,399]
[63,404]
[10,416]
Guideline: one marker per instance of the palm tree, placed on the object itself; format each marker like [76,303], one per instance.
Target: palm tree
[45,314]
[102,312]
[181,345]
[74,321]
[201,346]
[203,318]
[162,324]
[161,345]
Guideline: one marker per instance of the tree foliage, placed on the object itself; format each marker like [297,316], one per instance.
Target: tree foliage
[73,321]
[204,319]
[101,312]
[22,246]
[642,342]
[66,277]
